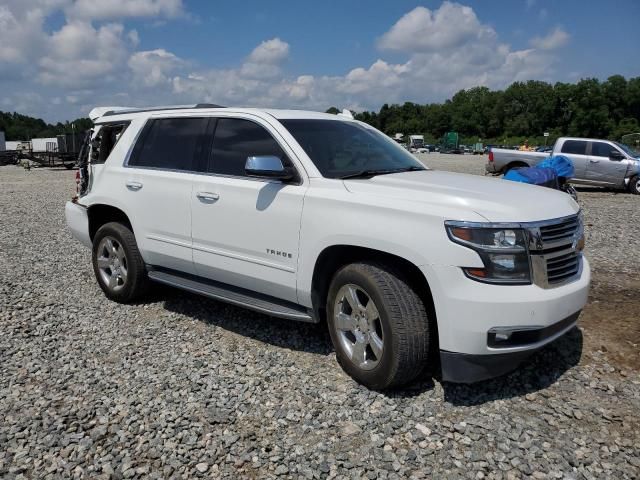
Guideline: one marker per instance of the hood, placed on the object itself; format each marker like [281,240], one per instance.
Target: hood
[495,199]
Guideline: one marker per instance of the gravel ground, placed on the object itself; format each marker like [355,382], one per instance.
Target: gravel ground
[180,386]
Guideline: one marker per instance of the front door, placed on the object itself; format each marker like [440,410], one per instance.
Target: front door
[246,230]
[602,169]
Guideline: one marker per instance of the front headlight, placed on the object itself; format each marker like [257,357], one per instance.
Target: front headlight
[503,251]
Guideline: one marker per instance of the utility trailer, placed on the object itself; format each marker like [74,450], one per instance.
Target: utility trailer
[54,151]
[69,146]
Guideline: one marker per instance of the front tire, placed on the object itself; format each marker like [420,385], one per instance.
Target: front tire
[378,325]
[117,263]
[634,185]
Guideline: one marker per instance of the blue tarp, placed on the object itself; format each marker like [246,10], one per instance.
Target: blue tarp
[560,164]
[533,175]
[545,173]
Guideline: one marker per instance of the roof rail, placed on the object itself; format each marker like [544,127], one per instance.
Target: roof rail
[121,110]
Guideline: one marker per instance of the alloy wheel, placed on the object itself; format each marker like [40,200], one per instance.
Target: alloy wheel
[358,326]
[112,263]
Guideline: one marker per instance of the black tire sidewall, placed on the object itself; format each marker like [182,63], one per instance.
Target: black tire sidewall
[379,376]
[633,185]
[115,230]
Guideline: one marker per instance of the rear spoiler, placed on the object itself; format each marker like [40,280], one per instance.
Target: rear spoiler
[98,112]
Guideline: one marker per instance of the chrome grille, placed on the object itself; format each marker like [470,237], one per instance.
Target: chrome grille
[555,259]
[563,230]
[562,267]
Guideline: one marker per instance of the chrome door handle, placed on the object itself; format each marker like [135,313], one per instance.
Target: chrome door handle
[207,196]
[135,186]
[594,161]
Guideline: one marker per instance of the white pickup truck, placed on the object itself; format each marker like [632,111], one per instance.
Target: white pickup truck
[597,162]
[321,218]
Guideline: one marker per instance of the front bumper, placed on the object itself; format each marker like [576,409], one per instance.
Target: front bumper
[78,222]
[474,319]
[467,368]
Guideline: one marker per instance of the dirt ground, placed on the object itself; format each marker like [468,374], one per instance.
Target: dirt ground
[611,324]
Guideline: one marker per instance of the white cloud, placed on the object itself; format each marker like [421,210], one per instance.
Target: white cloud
[448,49]
[554,39]
[271,52]
[115,9]
[265,61]
[80,54]
[21,34]
[423,30]
[151,68]
[93,59]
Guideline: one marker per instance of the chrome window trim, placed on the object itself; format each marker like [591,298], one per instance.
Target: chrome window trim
[301,178]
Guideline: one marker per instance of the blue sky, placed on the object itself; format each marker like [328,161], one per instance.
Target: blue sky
[59,58]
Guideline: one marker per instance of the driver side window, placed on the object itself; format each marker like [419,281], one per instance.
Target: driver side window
[601,149]
[234,140]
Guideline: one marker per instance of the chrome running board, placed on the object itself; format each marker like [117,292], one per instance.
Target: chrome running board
[233,295]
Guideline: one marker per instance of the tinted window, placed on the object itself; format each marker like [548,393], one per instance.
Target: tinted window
[235,140]
[169,143]
[339,148]
[601,149]
[577,147]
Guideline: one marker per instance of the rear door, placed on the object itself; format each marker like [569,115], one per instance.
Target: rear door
[246,230]
[602,169]
[157,182]
[576,151]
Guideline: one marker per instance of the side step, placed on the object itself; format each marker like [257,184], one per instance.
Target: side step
[234,295]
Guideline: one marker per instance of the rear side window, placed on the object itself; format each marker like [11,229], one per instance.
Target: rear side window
[577,147]
[236,139]
[106,141]
[170,144]
[601,149]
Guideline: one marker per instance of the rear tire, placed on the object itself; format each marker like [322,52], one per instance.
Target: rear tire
[117,263]
[380,332]
[634,185]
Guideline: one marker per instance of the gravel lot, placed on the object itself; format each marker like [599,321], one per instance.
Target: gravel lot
[180,386]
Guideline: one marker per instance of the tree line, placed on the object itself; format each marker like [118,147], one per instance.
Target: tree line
[524,110]
[23,127]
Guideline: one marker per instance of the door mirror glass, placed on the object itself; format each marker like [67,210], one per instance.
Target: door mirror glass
[616,155]
[267,166]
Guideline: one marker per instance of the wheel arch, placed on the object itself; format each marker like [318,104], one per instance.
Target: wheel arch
[332,258]
[100,214]
[514,164]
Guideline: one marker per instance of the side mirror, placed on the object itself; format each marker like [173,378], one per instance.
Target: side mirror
[616,155]
[267,166]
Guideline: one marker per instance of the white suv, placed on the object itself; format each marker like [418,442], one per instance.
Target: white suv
[317,217]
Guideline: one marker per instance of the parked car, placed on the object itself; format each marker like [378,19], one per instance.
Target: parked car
[596,162]
[320,218]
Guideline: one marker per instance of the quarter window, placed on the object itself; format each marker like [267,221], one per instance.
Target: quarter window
[576,147]
[236,139]
[601,149]
[170,144]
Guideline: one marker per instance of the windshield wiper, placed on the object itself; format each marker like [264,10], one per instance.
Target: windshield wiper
[372,173]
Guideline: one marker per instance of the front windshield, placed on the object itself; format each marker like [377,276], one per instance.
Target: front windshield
[628,150]
[340,148]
